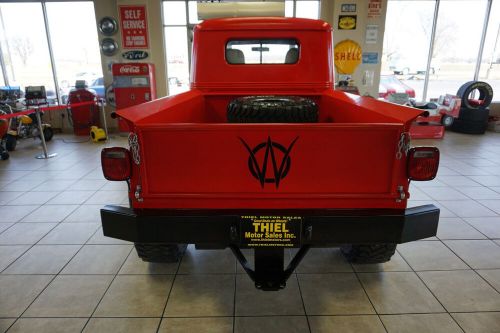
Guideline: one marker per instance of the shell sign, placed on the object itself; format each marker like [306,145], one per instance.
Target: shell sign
[347,56]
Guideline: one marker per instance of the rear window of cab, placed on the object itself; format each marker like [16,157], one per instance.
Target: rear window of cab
[262,51]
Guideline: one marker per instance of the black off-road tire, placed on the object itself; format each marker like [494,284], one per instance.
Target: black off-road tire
[10,142]
[469,127]
[160,252]
[485,94]
[272,109]
[480,115]
[368,253]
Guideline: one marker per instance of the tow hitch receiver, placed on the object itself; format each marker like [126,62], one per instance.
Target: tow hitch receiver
[269,273]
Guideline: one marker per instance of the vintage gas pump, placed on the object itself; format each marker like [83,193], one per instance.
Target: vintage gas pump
[83,116]
[134,83]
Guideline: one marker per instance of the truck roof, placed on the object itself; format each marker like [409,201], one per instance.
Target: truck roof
[263,23]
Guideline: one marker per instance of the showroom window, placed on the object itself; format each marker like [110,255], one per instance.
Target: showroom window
[179,18]
[24,46]
[75,58]
[54,44]
[456,45]
[489,70]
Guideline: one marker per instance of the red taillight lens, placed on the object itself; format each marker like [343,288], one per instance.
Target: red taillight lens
[423,163]
[116,163]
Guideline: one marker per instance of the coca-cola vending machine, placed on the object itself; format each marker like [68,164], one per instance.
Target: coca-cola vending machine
[133,83]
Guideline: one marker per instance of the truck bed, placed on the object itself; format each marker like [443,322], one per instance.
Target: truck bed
[193,159]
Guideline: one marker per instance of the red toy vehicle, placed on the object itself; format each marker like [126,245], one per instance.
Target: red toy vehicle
[262,153]
[436,117]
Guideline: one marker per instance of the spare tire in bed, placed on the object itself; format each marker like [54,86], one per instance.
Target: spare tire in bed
[272,109]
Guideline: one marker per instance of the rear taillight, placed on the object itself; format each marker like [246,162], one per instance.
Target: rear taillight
[116,163]
[423,163]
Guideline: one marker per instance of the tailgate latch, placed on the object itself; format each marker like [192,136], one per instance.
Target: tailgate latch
[137,194]
[402,194]
[403,145]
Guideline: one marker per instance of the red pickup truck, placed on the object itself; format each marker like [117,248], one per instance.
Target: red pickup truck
[262,153]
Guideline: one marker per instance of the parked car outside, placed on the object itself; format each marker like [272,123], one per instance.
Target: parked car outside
[403,66]
[390,84]
[96,85]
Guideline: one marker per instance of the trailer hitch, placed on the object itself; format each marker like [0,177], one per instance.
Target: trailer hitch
[269,273]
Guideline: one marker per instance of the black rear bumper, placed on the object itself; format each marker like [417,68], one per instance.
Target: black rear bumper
[222,228]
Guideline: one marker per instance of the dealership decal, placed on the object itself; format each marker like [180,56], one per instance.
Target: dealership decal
[135,55]
[269,161]
[348,8]
[280,231]
[134,26]
[347,22]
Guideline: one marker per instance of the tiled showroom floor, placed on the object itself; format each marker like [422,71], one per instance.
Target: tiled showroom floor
[60,274]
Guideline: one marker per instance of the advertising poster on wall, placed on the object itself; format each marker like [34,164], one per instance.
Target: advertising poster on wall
[370,58]
[371,34]
[348,8]
[347,22]
[134,26]
[374,8]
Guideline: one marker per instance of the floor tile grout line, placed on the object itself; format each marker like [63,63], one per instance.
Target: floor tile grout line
[482,187]
[74,210]
[487,282]
[48,284]
[45,204]
[368,296]
[22,217]
[13,224]
[170,290]
[303,302]
[234,295]
[104,294]
[474,269]
[473,227]
[30,245]
[431,292]
[242,274]
[263,315]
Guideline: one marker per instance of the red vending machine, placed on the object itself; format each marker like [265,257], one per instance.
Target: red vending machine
[133,83]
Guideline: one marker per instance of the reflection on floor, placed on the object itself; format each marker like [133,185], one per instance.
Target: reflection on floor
[59,272]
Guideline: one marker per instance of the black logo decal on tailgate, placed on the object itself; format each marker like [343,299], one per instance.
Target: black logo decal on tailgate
[269,155]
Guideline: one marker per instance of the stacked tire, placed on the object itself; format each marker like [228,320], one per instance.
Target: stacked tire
[474,113]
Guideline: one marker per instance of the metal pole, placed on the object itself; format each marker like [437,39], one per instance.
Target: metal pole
[4,70]
[45,154]
[492,60]
[8,49]
[188,32]
[104,118]
[51,51]
[483,38]
[431,50]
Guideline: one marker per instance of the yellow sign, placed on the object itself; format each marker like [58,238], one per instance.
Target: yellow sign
[347,22]
[264,231]
[347,56]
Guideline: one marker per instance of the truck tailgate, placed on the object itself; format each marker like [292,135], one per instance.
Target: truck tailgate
[270,165]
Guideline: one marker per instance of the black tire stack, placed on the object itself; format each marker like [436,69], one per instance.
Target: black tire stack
[473,118]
